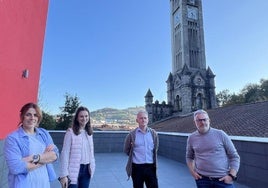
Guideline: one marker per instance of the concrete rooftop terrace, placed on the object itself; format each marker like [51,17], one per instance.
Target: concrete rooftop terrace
[110,172]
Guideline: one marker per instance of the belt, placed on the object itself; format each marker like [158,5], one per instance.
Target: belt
[210,178]
[85,164]
[143,165]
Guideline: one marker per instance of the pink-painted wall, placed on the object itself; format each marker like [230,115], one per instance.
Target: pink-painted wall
[22,30]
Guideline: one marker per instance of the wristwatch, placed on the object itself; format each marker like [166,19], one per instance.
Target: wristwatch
[232,176]
[36,159]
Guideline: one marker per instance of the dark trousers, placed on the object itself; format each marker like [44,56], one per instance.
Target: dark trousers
[83,177]
[207,182]
[144,173]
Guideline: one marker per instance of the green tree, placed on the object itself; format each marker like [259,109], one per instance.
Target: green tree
[48,122]
[250,93]
[67,112]
[235,99]
[223,97]
[264,88]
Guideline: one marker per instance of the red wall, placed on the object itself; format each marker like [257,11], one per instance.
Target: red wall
[22,30]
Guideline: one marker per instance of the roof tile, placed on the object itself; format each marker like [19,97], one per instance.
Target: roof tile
[238,120]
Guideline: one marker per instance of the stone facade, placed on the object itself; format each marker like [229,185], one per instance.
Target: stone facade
[190,85]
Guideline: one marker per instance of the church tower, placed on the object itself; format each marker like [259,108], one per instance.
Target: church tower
[190,85]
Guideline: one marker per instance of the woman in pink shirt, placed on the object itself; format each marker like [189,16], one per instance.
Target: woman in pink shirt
[77,156]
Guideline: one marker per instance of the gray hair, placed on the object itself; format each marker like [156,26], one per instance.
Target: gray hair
[142,112]
[197,112]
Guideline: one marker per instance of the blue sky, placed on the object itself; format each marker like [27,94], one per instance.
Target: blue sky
[109,53]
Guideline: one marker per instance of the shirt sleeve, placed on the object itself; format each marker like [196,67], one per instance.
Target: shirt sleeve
[49,141]
[13,156]
[92,157]
[64,156]
[233,156]
[127,144]
[189,151]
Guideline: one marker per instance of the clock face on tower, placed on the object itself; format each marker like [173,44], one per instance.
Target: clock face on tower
[192,12]
[199,81]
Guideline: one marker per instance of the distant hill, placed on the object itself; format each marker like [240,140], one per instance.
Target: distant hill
[115,116]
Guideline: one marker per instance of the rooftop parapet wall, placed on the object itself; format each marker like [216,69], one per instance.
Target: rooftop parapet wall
[253,152]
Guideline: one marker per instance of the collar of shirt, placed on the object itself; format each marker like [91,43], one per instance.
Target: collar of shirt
[140,130]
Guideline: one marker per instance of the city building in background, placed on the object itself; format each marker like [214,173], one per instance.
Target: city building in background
[190,85]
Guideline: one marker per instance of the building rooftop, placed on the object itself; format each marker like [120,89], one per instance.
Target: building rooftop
[110,172]
[236,120]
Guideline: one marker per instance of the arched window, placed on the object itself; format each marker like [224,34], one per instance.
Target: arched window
[178,104]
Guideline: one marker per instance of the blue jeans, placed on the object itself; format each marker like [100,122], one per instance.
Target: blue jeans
[212,183]
[83,177]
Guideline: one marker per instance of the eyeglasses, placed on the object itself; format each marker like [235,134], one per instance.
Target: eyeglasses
[200,120]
